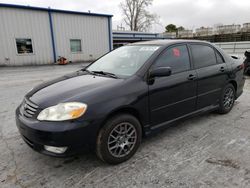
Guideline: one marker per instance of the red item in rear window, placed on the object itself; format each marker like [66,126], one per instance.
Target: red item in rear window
[176,52]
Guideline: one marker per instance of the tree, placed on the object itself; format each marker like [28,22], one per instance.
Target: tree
[173,28]
[136,15]
[181,28]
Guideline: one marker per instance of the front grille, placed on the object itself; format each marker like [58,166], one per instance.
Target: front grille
[28,109]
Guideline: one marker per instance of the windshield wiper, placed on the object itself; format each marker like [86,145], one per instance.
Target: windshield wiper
[100,72]
[90,72]
[105,73]
[86,70]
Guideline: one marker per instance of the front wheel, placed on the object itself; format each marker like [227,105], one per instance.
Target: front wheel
[119,139]
[227,99]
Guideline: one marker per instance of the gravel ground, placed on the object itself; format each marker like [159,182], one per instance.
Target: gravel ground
[207,151]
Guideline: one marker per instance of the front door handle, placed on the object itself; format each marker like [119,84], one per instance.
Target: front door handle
[222,69]
[191,77]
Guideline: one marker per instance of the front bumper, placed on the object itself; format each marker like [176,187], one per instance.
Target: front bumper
[76,135]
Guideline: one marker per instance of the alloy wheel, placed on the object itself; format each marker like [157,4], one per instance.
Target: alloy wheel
[228,98]
[122,139]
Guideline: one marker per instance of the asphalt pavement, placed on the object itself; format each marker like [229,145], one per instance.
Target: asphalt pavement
[211,150]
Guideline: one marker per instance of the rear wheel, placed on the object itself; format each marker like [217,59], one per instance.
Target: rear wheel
[119,139]
[227,99]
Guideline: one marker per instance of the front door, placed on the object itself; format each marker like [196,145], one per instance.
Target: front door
[173,96]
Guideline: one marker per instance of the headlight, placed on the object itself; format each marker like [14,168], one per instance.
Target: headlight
[63,111]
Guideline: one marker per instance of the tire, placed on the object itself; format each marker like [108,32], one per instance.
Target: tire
[114,145]
[227,99]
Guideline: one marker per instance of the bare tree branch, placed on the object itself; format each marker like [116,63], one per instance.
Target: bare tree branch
[136,15]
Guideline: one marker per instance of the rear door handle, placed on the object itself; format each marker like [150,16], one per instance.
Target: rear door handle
[191,77]
[222,69]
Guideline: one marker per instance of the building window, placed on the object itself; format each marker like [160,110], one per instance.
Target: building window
[24,46]
[75,45]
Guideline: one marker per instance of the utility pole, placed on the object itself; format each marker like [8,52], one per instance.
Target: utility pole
[120,28]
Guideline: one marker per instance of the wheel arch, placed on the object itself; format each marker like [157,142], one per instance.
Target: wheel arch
[234,83]
[124,110]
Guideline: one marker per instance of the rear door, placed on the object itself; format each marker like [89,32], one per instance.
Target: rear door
[173,96]
[212,74]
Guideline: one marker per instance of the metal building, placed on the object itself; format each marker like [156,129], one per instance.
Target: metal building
[34,35]
[246,27]
[204,31]
[121,38]
[228,29]
[185,34]
[170,35]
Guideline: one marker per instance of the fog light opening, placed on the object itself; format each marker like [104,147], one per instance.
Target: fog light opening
[57,150]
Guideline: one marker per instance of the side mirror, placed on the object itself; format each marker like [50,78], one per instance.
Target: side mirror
[160,72]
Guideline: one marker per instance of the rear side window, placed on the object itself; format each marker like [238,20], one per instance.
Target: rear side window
[203,56]
[177,58]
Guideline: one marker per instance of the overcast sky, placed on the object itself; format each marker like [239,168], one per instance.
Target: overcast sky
[188,13]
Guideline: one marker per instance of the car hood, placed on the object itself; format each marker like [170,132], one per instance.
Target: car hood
[68,88]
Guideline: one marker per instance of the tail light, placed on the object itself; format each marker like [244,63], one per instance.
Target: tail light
[242,66]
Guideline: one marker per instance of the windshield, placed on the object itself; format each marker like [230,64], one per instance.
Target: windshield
[124,61]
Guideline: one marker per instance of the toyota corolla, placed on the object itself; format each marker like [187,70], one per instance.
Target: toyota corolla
[128,94]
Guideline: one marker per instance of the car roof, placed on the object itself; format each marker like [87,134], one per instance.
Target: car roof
[167,42]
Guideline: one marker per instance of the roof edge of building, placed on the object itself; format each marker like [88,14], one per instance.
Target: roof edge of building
[53,10]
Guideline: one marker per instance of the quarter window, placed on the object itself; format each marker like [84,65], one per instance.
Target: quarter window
[75,45]
[219,58]
[177,58]
[24,46]
[203,56]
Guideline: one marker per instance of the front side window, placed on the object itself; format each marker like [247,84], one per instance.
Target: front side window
[75,45]
[24,46]
[124,61]
[203,55]
[177,58]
